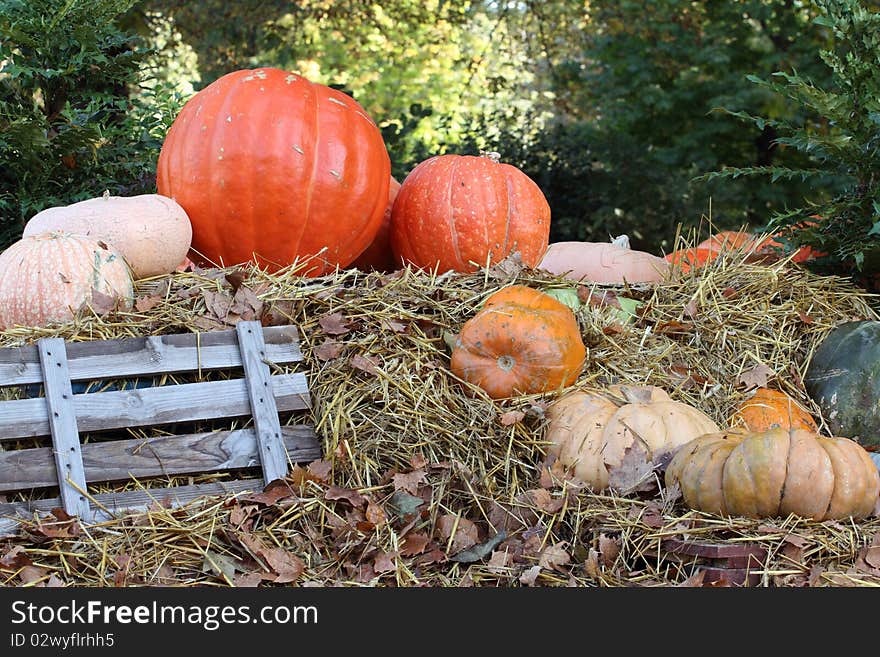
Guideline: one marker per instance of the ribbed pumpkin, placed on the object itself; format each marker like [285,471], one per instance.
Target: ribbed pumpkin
[522,341]
[151,231]
[461,212]
[47,278]
[843,378]
[772,409]
[606,263]
[379,256]
[590,431]
[775,473]
[272,167]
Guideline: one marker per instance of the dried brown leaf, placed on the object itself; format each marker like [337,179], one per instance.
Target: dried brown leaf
[635,472]
[31,574]
[511,417]
[393,325]
[349,495]
[247,580]
[591,565]
[329,349]
[554,557]
[409,482]
[102,303]
[414,544]
[368,364]
[143,304]
[385,562]
[321,469]
[375,514]
[756,377]
[530,576]
[334,324]
[500,561]
[273,493]
[609,548]
[462,531]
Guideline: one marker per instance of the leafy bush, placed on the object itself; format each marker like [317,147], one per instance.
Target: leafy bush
[69,125]
[842,141]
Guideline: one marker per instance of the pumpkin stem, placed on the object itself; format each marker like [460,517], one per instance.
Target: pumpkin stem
[621,240]
[495,156]
[506,362]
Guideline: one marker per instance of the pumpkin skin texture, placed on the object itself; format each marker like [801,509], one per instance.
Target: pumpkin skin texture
[728,240]
[590,432]
[772,409]
[47,278]
[843,378]
[692,258]
[522,341]
[603,263]
[461,212]
[776,473]
[271,167]
[379,256]
[152,232]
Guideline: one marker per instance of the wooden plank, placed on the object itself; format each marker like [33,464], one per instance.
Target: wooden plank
[25,418]
[69,472]
[136,500]
[147,356]
[118,460]
[273,458]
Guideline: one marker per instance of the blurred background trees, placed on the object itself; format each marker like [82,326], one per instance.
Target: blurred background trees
[616,108]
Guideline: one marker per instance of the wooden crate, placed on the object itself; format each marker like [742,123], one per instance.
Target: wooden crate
[63,415]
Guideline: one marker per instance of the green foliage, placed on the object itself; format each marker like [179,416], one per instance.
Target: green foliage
[841,138]
[68,128]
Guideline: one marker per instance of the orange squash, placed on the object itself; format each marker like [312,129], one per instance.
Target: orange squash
[728,239]
[521,342]
[771,409]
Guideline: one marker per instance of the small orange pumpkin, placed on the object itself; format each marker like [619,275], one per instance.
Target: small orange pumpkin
[521,342]
[772,409]
[729,240]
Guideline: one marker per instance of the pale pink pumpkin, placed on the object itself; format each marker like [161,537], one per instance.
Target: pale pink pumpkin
[47,278]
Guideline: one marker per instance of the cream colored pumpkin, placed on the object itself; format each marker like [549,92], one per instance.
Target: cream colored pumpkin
[152,232]
[47,278]
[606,263]
[589,432]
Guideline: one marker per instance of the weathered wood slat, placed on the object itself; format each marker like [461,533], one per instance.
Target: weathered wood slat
[70,474]
[273,458]
[120,460]
[145,356]
[11,513]
[25,418]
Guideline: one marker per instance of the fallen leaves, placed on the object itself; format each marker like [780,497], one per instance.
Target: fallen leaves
[756,377]
[334,324]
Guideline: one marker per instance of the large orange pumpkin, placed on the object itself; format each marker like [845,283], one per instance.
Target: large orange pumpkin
[521,342]
[379,256]
[46,278]
[461,212]
[272,167]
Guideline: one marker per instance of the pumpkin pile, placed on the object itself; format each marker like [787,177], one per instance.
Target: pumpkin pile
[458,358]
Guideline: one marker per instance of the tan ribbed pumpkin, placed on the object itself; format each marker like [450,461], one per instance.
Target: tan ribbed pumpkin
[151,231]
[775,473]
[47,278]
[590,432]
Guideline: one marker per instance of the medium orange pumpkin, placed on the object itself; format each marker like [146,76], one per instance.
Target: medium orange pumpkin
[47,278]
[772,409]
[272,167]
[379,256]
[521,342]
[460,212]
